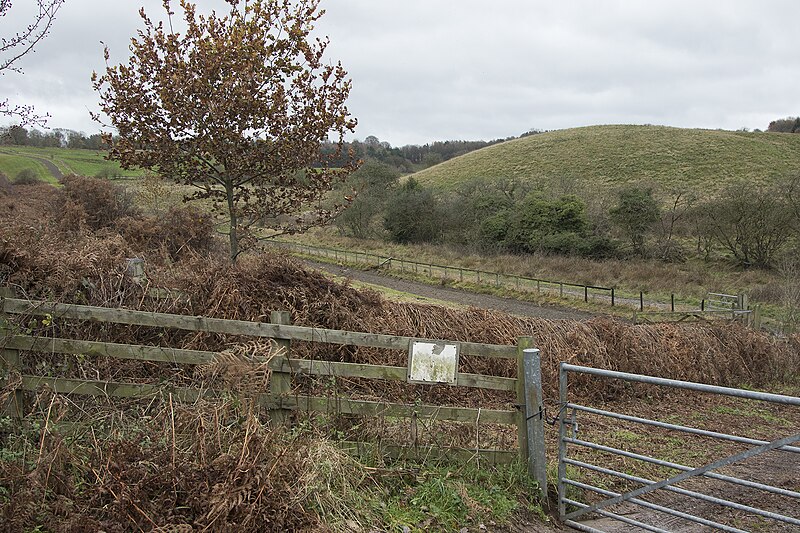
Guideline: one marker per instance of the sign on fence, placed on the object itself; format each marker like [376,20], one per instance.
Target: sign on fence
[433,362]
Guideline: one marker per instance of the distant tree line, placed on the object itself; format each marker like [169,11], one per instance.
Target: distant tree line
[751,225]
[405,159]
[55,138]
[785,125]
[413,157]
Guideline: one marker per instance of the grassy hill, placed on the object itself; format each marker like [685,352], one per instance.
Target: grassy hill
[13,159]
[604,157]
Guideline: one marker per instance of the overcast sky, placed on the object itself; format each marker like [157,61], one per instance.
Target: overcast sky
[426,70]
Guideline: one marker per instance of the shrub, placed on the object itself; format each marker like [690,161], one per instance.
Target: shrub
[636,213]
[26,176]
[102,202]
[541,224]
[179,231]
[412,214]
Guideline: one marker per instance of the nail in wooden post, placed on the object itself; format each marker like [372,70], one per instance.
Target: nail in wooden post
[280,383]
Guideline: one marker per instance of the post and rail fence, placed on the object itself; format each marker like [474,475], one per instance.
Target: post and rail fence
[454,273]
[280,399]
[649,309]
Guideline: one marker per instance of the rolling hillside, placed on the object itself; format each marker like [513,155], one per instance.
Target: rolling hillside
[13,159]
[604,157]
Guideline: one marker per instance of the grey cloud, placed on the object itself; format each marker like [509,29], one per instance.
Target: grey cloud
[426,70]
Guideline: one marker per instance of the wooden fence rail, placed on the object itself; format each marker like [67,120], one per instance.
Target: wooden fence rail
[461,274]
[17,347]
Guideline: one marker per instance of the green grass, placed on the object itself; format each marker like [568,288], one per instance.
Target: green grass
[598,158]
[81,162]
[12,165]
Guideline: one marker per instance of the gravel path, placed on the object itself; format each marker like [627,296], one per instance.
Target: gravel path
[450,294]
[54,170]
[50,167]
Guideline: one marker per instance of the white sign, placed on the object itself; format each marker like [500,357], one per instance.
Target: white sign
[433,362]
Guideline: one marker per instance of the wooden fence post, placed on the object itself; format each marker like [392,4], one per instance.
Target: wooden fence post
[10,362]
[280,383]
[534,418]
[757,317]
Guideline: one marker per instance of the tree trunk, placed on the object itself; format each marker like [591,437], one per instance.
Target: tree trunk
[233,236]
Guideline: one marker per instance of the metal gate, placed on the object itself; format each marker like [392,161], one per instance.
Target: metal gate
[668,507]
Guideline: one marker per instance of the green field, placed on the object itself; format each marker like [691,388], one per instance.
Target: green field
[605,157]
[81,162]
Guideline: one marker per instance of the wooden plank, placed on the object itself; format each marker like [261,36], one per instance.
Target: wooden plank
[237,327]
[114,389]
[436,453]
[389,373]
[366,408]
[305,403]
[481,381]
[109,349]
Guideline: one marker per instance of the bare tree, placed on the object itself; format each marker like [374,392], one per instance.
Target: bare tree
[236,106]
[15,47]
[752,223]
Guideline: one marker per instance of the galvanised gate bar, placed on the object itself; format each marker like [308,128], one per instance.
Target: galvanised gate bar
[568,425]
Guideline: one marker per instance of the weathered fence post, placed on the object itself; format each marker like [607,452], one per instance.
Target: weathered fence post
[522,430]
[612,296]
[672,302]
[641,301]
[10,362]
[534,418]
[757,317]
[280,383]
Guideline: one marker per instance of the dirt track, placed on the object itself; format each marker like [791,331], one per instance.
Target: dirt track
[450,294]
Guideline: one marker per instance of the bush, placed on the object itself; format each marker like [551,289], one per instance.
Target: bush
[412,214]
[102,202]
[546,225]
[26,176]
[635,214]
[180,231]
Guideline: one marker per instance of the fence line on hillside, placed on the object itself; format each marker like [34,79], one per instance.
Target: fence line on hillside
[281,399]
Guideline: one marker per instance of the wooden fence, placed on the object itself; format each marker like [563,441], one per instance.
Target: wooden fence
[279,399]
[447,272]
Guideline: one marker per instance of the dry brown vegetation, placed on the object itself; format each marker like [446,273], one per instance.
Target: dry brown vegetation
[191,470]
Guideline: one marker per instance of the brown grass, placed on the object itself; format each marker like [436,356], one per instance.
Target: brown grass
[88,267]
[217,466]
